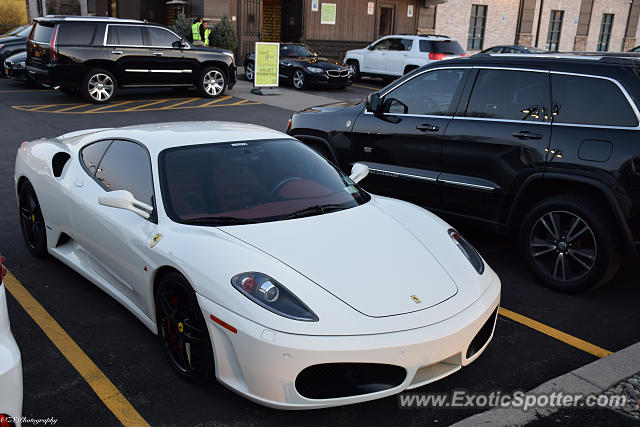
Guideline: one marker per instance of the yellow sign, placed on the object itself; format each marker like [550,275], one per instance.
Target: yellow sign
[328,13]
[267,64]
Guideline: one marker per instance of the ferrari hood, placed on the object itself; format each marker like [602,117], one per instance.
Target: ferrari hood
[361,255]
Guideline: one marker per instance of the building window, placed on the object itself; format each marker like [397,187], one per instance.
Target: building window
[476,27]
[605,32]
[555,26]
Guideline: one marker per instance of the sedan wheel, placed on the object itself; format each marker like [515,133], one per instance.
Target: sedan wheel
[249,71]
[182,329]
[32,222]
[212,83]
[298,79]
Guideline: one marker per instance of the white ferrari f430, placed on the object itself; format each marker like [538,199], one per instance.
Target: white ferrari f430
[256,260]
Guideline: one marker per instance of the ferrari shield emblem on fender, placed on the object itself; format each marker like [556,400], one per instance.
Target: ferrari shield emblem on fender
[416,299]
[155,240]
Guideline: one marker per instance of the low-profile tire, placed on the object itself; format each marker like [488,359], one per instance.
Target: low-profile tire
[32,222]
[355,69]
[250,71]
[182,329]
[299,79]
[568,243]
[212,82]
[99,86]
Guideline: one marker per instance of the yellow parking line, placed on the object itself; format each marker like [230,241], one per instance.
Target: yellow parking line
[137,107]
[222,98]
[71,108]
[103,107]
[554,333]
[40,107]
[168,107]
[366,87]
[101,385]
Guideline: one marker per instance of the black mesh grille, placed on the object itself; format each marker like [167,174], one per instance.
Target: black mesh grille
[483,335]
[331,380]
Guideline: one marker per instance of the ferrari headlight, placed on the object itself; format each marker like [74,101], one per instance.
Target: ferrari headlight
[315,70]
[268,293]
[469,251]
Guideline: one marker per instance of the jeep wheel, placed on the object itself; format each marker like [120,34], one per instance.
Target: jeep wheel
[567,242]
[99,86]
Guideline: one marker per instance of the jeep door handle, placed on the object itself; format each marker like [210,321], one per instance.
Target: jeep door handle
[525,134]
[158,53]
[426,127]
[116,52]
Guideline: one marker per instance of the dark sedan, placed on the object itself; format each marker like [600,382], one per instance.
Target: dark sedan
[303,67]
[13,43]
[514,49]
[14,66]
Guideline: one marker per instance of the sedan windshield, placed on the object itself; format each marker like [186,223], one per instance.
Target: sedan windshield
[254,181]
[296,51]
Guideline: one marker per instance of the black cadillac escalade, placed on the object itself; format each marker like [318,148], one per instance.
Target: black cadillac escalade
[102,55]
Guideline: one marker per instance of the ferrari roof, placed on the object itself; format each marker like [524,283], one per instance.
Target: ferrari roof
[159,136]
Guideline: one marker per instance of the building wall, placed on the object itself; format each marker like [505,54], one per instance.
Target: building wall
[571,10]
[620,9]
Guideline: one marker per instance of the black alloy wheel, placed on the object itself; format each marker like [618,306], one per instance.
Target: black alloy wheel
[567,242]
[299,79]
[182,329]
[32,221]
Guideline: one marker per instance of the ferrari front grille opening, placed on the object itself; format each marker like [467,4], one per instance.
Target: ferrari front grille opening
[483,335]
[333,380]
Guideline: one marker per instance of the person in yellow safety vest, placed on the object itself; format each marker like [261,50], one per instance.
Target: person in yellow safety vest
[207,32]
[195,31]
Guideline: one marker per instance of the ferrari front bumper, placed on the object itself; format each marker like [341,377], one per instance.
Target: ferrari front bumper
[263,364]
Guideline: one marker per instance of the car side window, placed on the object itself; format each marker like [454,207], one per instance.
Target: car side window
[430,93]
[382,45]
[129,35]
[159,37]
[92,155]
[574,102]
[127,166]
[399,44]
[508,95]
[76,33]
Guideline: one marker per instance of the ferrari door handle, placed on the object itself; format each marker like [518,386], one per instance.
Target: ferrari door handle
[428,128]
[116,52]
[158,53]
[525,134]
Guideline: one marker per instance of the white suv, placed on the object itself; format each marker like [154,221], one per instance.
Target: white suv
[394,56]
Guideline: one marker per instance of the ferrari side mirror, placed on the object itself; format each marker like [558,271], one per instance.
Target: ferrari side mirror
[359,171]
[123,199]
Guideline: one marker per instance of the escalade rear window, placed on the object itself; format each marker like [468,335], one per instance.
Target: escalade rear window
[590,101]
[76,33]
[42,33]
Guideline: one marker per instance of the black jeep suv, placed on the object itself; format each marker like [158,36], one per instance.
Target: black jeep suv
[101,55]
[545,147]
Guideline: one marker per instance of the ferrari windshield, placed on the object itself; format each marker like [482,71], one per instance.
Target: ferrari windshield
[253,181]
[296,51]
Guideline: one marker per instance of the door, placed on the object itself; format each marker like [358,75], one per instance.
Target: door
[397,56]
[403,145]
[493,146]
[127,49]
[375,60]
[114,239]
[385,20]
[169,63]
[249,25]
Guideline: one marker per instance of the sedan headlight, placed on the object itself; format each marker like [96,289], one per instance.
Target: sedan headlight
[469,251]
[268,293]
[21,64]
[315,70]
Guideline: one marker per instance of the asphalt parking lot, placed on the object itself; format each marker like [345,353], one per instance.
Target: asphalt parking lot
[540,334]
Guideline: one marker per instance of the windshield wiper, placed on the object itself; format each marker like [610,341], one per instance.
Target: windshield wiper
[218,220]
[315,210]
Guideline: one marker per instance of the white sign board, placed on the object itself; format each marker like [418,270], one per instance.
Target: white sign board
[370,8]
[410,11]
[314,5]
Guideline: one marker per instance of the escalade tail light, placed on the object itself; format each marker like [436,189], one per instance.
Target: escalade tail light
[437,56]
[53,49]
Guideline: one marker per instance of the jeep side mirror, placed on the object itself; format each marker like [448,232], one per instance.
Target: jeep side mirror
[373,103]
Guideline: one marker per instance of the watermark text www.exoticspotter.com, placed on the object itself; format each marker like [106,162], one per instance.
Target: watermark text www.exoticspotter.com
[35,421]
[518,399]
